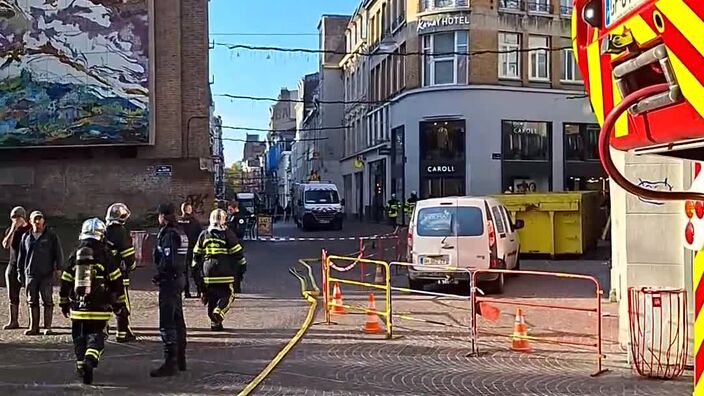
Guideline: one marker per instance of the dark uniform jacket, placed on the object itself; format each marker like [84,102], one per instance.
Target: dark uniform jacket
[192,228]
[39,257]
[218,256]
[121,242]
[107,291]
[169,265]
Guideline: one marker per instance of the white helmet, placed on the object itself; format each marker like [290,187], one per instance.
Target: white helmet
[92,229]
[218,220]
[118,213]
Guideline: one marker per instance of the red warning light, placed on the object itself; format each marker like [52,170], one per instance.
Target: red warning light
[689,233]
[699,209]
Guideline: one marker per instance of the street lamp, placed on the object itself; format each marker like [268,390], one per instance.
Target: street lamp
[387,43]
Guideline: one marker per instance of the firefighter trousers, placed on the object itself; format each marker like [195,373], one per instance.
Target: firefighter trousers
[123,320]
[220,297]
[88,340]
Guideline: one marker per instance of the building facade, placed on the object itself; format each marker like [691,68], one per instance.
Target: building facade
[282,132]
[303,145]
[466,97]
[130,124]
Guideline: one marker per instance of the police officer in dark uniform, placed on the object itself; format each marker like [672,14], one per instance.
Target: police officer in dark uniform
[91,290]
[219,260]
[120,238]
[170,279]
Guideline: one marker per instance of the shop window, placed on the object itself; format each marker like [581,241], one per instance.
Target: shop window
[442,140]
[526,141]
[581,142]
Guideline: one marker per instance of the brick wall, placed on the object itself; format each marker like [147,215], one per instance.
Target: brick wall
[73,182]
[78,189]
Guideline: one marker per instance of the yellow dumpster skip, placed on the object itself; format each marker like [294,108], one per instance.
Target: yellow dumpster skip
[556,223]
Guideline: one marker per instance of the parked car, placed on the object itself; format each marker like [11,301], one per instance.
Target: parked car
[462,232]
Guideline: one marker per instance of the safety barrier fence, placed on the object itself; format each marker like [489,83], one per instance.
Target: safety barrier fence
[595,310]
[475,298]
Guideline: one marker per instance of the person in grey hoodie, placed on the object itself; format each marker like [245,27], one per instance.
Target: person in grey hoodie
[39,258]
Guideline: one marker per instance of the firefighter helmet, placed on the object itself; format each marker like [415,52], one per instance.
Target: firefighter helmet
[118,213]
[218,219]
[92,229]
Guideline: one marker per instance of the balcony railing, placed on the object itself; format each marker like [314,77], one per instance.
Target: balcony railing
[434,5]
[539,7]
[542,7]
[512,5]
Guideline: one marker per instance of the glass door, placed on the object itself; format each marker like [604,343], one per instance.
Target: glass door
[443,187]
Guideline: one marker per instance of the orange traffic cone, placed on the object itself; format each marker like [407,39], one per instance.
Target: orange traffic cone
[371,326]
[337,308]
[518,343]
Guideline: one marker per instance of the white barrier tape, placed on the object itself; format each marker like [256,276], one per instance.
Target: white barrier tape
[292,239]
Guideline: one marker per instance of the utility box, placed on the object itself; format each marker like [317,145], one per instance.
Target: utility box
[556,223]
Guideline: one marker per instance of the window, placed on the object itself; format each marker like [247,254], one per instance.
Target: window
[542,6]
[442,140]
[450,221]
[566,7]
[507,219]
[581,142]
[500,228]
[510,5]
[539,66]
[568,68]
[322,197]
[526,141]
[509,62]
[445,65]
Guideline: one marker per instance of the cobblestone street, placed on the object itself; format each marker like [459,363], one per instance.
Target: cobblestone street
[336,359]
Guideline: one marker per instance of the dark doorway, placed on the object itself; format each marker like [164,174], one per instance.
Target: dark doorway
[442,158]
[359,185]
[377,187]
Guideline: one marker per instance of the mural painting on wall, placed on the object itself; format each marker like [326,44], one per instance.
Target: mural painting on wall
[73,72]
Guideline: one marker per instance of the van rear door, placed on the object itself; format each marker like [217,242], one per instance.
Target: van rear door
[472,241]
[435,239]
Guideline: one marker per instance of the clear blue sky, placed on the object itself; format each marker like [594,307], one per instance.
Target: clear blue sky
[258,73]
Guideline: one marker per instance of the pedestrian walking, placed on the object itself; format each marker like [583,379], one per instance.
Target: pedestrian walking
[92,289]
[39,258]
[120,243]
[220,263]
[11,242]
[170,280]
[192,228]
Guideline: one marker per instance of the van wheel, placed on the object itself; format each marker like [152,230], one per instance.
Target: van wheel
[496,286]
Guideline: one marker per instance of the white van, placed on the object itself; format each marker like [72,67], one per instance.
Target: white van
[317,204]
[462,232]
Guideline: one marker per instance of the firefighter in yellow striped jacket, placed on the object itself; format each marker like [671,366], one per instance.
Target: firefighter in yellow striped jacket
[218,260]
[120,238]
[91,290]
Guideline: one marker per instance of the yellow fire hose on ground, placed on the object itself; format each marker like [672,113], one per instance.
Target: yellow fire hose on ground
[310,296]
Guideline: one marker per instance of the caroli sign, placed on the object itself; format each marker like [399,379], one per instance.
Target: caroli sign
[434,169]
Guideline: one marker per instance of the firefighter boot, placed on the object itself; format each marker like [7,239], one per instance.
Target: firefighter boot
[48,318]
[168,368]
[33,321]
[13,323]
[88,366]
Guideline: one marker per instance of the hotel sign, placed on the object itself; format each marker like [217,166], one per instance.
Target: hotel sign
[442,21]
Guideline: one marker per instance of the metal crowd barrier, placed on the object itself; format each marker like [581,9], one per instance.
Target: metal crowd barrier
[592,310]
[329,264]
